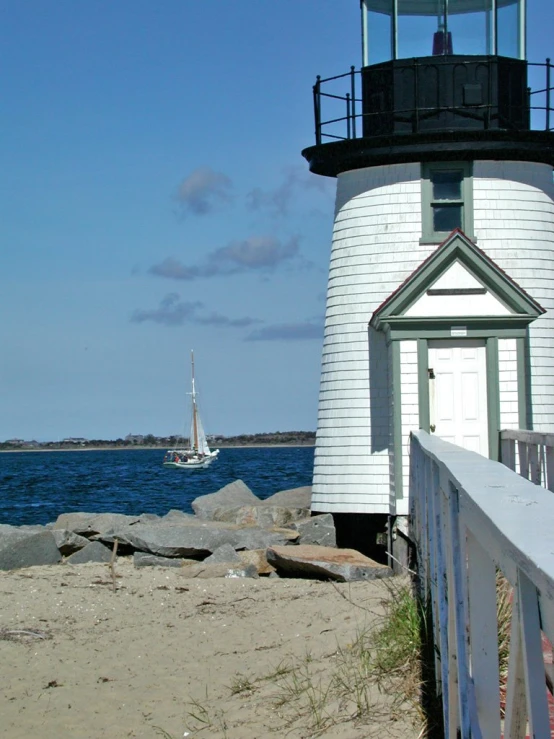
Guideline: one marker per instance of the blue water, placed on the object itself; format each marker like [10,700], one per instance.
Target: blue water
[36,487]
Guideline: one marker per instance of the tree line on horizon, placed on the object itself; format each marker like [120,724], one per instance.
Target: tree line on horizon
[299,438]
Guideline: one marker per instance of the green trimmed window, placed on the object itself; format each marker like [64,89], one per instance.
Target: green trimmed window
[447,200]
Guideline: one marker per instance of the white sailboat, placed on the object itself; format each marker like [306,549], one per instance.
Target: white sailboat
[198,454]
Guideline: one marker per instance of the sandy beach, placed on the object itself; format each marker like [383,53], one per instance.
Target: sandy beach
[172,657]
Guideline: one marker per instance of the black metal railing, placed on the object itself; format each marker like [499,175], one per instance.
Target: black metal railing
[370,107]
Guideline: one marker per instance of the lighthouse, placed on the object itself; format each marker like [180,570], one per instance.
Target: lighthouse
[439,309]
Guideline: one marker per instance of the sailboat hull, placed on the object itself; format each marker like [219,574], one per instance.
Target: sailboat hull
[183,462]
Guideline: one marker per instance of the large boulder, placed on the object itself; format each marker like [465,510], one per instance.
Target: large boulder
[293,498]
[36,549]
[196,538]
[343,565]
[233,495]
[260,515]
[317,530]
[11,534]
[93,552]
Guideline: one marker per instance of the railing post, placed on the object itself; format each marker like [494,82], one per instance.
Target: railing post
[548,94]
[348,136]
[353,95]
[317,110]
[534,463]
[523,452]
[508,453]
[549,481]
[416,97]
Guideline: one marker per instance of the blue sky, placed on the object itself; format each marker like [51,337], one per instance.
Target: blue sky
[154,200]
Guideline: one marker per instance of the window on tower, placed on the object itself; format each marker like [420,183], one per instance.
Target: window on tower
[446,200]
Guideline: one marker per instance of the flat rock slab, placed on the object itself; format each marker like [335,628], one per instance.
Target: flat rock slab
[93,552]
[36,549]
[88,524]
[196,538]
[142,559]
[233,495]
[343,565]
[218,569]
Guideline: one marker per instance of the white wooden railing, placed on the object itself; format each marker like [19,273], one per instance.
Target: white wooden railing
[530,454]
[469,517]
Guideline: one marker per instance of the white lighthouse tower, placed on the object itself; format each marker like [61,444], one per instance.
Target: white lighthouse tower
[440,297]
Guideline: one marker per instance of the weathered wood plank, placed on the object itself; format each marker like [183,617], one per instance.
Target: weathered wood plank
[515,721]
[483,630]
[528,437]
[533,662]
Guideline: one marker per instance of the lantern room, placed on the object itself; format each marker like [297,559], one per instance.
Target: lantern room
[401,29]
[436,65]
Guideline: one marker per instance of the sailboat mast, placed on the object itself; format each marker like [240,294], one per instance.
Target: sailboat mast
[194,412]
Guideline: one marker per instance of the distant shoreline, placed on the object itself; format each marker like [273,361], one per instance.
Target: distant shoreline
[142,448]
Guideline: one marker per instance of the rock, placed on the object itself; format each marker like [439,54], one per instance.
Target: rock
[224,553]
[293,498]
[317,530]
[36,549]
[69,542]
[93,552]
[260,515]
[218,569]
[141,559]
[11,534]
[196,538]
[233,495]
[149,517]
[175,516]
[258,558]
[336,564]
[252,537]
[88,524]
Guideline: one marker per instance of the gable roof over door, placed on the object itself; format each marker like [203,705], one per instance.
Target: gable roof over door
[457,248]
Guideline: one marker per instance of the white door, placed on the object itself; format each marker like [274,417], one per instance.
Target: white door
[458,393]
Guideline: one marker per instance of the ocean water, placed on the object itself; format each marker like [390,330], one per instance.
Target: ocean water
[36,487]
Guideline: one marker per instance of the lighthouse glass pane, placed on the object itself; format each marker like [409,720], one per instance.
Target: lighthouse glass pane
[418,32]
[379,35]
[471,32]
[508,30]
